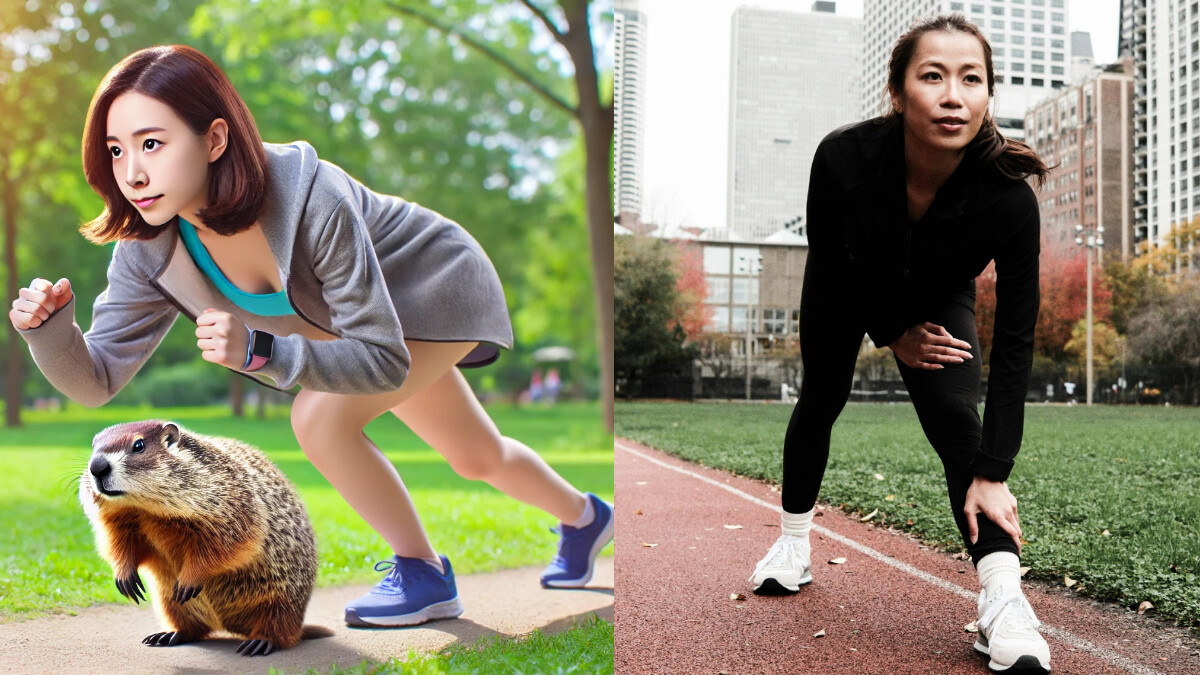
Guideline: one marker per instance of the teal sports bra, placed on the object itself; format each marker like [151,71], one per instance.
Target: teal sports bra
[262,304]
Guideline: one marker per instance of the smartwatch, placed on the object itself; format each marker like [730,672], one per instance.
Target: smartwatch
[259,351]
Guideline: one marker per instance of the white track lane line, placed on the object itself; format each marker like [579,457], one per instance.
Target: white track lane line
[1057,633]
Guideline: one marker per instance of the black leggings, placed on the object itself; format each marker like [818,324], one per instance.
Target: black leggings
[947,400]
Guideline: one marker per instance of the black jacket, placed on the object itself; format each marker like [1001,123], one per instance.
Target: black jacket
[857,210]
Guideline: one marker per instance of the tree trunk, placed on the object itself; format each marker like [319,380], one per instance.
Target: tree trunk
[597,122]
[16,352]
[237,394]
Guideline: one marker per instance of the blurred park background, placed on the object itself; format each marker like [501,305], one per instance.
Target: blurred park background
[485,111]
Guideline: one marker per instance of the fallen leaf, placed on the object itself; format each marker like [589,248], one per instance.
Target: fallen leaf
[820,633]
[869,516]
[878,476]
[909,521]
[641,482]
[1025,570]
[1069,581]
[837,561]
[963,555]
[819,513]
[736,596]
[1145,607]
[1106,533]
[649,545]
[972,627]
[638,512]
[733,527]
[890,498]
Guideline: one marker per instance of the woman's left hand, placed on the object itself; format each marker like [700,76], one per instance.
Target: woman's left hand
[222,339]
[992,499]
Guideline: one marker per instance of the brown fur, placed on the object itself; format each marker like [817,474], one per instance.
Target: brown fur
[205,512]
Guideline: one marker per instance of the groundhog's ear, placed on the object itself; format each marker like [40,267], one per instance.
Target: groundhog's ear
[170,436]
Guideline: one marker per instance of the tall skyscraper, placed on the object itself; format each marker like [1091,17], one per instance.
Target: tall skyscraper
[794,77]
[629,106]
[1163,39]
[1030,50]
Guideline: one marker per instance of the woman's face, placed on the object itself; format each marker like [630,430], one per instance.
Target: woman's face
[160,165]
[945,97]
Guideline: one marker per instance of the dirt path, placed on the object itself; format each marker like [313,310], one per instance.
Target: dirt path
[892,607]
[108,639]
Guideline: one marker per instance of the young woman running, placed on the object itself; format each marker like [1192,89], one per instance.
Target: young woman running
[904,212]
[293,270]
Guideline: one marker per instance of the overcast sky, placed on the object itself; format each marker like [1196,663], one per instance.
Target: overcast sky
[687,96]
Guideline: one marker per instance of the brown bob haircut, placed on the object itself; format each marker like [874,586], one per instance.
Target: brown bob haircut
[198,92]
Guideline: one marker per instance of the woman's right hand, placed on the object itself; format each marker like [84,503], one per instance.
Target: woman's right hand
[926,346]
[38,302]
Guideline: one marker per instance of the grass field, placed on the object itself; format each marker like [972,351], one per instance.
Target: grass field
[1133,473]
[48,561]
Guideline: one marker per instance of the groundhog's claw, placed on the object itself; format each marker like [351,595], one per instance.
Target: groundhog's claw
[168,639]
[132,588]
[256,648]
[182,594]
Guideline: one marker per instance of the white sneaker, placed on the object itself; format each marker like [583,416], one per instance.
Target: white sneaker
[785,568]
[1008,634]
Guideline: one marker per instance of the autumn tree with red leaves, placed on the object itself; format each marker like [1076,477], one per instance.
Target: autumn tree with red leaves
[1064,301]
[691,312]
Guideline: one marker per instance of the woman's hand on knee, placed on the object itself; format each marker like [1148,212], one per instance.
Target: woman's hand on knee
[926,346]
[992,499]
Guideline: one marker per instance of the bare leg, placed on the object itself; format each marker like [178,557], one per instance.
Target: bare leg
[449,418]
[329,428]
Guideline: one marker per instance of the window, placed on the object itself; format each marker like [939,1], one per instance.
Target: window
[1018,25]
[998,24]
[1018,39]
[1057,30]
[956,7]
[718,290]
[738,321]
[1018,67]
[999,64]
[1056,44]
[1037,54]
[1057,56]
[745,291]
[795,328]
[1056,70]
[716,260]
[1038,82]
[1017,13]
[1037,14]
[1037,41]
[997,51]
[1018,80]
[1038,28]
[1018,53]
[1037,68]
[978,9]
[775,322]
[719,322]
[1057,16]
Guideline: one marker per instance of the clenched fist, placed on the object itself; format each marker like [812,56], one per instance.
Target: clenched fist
[222,339]
[35,304]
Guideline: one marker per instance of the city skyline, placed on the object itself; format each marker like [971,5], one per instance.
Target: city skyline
[687,118]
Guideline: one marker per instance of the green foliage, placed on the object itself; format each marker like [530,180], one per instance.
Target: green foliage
[1133,472]
[48,554]
[647,339]
[187,383]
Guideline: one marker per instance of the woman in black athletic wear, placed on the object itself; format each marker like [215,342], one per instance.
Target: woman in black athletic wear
[904,211]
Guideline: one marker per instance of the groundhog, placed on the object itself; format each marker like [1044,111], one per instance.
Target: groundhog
[218,526]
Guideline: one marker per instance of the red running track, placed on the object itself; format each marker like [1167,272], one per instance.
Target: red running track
[903,611]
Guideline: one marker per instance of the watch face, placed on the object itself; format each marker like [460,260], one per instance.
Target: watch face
[261,343]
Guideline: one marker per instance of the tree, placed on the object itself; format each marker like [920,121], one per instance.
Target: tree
[1106,344]
[1133,286]
[647,340]
[691,287]
[1063,286]
[985,309]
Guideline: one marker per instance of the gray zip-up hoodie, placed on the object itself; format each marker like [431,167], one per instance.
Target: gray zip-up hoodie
[356,265]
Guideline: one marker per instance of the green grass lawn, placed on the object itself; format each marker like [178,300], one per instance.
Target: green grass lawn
[1133,472]
[48,560]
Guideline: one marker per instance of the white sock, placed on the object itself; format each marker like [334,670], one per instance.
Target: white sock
[435,563]
[589,514]
[1001,569]
[797,524]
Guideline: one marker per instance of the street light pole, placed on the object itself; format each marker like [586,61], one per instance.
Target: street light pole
[1092,240]
[753,268]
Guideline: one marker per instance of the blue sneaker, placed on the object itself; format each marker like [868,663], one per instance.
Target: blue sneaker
[577,551]
[412,593]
